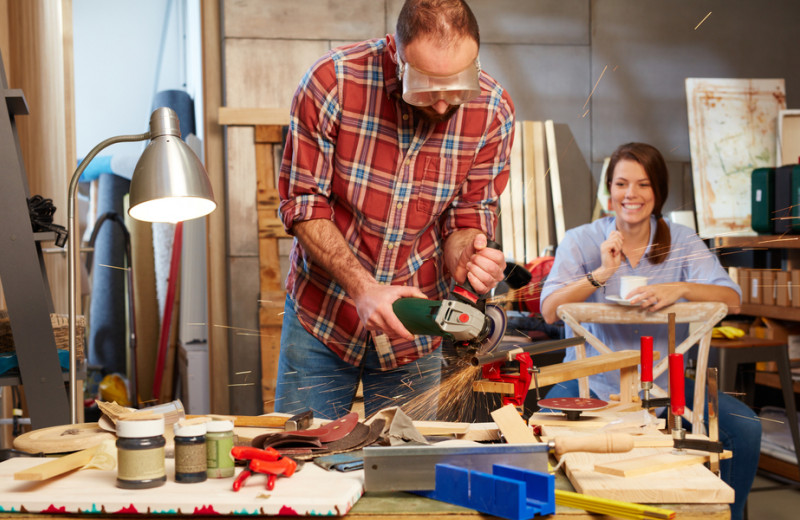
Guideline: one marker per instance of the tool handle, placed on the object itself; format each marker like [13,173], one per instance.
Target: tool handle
[250,453]
[465,289]
[253,421]
[606,443]
[677,398]
[284,466]
[646,344]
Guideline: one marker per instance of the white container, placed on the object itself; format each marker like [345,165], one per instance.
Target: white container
[629,283]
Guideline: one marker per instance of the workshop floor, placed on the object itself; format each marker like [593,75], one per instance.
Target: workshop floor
[779,504]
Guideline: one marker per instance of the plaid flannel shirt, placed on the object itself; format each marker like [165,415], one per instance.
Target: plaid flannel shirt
[395,185]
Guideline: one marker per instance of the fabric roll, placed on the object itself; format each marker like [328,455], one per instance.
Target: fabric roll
[108,331]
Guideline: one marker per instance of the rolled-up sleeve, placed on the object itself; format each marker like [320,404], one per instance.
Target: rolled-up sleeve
[308,157]
[476,206]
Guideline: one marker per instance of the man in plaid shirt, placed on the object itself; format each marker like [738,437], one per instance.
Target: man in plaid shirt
[396,156]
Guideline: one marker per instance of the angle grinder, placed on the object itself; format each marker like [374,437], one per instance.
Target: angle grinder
[464,317]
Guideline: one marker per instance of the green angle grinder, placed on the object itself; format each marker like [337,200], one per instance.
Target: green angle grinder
[474,326]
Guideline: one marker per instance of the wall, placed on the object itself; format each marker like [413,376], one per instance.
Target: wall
[612,70]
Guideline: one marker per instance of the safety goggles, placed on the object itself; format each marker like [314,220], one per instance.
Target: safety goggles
[424,90]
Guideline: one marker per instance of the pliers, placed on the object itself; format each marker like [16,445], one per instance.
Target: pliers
[267,461]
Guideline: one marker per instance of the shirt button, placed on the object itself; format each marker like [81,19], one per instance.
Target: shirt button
[390,246]
[405,117]
[399,205]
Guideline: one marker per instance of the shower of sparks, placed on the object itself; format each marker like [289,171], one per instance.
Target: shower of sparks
[595,86]
[115,267]
[701,21]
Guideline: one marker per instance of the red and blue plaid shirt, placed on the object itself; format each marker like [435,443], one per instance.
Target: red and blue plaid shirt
[394,184]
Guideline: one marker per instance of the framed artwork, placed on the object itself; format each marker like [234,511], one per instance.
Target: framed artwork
[732,131]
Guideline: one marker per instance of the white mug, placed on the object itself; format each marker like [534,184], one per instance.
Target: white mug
[629,283]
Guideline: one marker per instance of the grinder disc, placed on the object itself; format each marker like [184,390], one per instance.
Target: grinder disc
[572,406]
[496,321]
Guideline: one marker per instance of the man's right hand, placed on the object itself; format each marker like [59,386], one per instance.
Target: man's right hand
[374,305]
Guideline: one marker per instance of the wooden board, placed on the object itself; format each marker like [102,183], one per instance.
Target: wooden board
[86,491]
[635,466]
[555,180]
[543,221]
[62,439]
[691,484]
[529,196]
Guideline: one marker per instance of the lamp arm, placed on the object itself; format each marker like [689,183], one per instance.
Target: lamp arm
[73,257]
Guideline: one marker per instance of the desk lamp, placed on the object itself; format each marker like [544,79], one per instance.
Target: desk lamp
[169,184]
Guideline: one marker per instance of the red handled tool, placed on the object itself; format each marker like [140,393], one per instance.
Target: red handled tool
[677,399]
[267,461]
[521,379]
[646,345]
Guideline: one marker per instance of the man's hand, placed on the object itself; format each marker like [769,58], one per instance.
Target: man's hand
[482,266]
[374,305]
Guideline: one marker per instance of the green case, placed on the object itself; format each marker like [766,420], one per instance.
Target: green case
[762,198]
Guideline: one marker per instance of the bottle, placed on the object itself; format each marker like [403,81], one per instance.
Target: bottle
[140,451]
[190,452]
[219,443]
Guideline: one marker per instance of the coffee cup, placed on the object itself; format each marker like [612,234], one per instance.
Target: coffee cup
[629,283]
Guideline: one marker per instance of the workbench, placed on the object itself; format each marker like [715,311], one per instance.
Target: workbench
[406,506]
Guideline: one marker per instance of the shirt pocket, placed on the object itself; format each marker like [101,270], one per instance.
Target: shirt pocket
[437,181]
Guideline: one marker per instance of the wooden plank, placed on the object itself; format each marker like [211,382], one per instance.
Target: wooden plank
[555,180]
[644,465]
[545,240]
[58,466]
[506,217]
[232,116]
[529,197]
[515,189]
[512,426]
[217,223]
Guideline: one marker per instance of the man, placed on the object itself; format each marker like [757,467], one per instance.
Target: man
[395,160]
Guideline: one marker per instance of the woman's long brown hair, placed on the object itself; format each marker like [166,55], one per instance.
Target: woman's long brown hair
[656,169]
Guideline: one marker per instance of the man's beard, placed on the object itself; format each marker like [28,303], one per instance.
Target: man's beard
[432,116]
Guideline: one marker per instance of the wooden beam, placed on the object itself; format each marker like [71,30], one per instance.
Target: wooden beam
[219,376]
[232,116]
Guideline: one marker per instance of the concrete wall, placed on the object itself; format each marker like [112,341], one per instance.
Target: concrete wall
[611,70]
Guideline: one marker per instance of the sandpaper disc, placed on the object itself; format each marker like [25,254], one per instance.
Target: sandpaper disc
[572,406]
[62,439]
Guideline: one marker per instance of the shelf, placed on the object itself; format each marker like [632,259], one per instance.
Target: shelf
[759,241]
[779,467]
[771,311]
[772,379]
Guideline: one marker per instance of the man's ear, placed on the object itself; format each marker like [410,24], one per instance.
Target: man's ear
[392,45]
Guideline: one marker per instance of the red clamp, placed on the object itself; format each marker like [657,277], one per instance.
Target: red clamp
[520,380]
[267,461]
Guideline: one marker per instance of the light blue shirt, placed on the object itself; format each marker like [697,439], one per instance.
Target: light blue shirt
[689,260]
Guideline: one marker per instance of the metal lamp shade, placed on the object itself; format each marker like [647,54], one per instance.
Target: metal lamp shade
[169,182]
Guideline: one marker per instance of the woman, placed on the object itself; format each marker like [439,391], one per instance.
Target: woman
[679,267]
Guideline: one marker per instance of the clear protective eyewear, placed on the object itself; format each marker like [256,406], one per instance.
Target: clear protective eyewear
[424,90]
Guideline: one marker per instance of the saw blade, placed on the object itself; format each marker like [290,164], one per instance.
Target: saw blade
[496,322]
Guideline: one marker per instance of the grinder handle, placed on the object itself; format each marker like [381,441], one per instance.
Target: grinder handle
[605,443]
[468,286]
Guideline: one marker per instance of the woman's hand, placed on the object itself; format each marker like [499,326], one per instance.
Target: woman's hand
[656,297]
[611,256]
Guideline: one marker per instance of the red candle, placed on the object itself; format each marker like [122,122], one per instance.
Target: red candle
[647,358]
[677,398]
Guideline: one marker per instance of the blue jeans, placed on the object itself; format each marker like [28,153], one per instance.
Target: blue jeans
[738,434]
[311,376]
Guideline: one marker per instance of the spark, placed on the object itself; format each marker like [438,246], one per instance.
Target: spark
[584,114]
[756,418]
[243,372]
[701,21]
[241,384]
[235,328]
[115,267]
[595,86]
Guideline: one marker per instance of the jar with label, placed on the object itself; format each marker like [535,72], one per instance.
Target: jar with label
[190,452]
[140,451]
[219,443]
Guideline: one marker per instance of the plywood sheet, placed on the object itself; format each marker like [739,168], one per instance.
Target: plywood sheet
[732,130]
[93,491]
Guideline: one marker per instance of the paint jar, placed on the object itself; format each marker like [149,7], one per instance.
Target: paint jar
[219,443]
[190,452]
[140,451]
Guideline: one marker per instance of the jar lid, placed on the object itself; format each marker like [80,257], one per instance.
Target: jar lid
[148,426]
[189,430]
[219,426]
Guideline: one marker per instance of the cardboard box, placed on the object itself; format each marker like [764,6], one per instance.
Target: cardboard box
[743,279]
[769,329]
[782,289]
[795,282]
[767,287]
[754,276]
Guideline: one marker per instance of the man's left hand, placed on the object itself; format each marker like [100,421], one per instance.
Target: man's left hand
[482,266]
